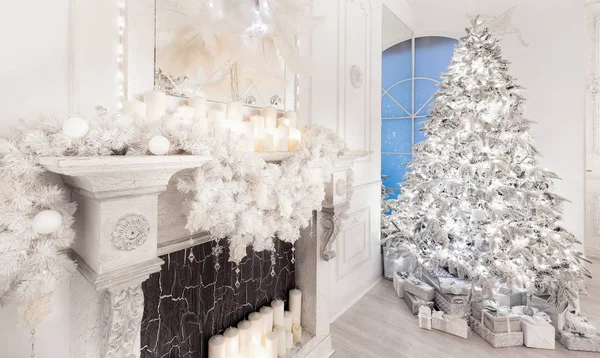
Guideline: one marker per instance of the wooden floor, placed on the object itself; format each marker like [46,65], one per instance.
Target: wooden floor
[380,325]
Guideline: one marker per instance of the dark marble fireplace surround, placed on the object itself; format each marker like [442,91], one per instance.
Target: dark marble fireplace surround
[189,301]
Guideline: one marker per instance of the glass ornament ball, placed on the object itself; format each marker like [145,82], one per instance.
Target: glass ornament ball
[47,221]
[75,127]
[159,145]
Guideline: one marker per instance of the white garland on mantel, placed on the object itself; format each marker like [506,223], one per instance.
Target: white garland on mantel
[237,196]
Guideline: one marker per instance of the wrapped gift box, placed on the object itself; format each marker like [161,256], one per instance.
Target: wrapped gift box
[578,324]
[398,283]
[425,317]
[454,286]
[537,332]
[456,307]
[419,288]
[413,302]
[497,340]
[495,322]
[432,277]
[445,323]
[575,342]
[557,314]
[507,297]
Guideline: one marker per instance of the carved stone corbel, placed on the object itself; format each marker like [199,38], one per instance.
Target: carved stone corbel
[331,221]
[123,310]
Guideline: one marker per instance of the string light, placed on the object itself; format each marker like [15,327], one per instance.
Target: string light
[121,56]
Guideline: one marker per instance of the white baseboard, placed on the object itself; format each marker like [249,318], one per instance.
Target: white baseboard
[357,297]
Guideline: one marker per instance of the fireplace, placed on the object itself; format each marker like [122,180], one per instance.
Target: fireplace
[116,287]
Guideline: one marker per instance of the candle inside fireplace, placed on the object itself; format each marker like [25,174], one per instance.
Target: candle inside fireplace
[281,344]
[297,332]
[232,342]
[287,321]
[277,306]
[256,320]
[271,344]
[296,306]
[267,316]
[216,347]
[245,331]
[289,340]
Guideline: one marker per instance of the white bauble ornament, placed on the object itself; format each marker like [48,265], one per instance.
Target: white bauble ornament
[159,145]
[47,222]
[75,127]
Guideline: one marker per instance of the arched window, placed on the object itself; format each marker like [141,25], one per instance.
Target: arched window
[409,83]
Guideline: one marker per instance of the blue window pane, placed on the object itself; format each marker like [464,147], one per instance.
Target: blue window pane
[394,166]
[419,134]
[424,91]
[433,55]
[396,135]
[402,93]
[397,63]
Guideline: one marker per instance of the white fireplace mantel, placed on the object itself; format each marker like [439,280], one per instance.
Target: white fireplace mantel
[117,247]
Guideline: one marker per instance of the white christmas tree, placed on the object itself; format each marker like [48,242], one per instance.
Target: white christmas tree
[476,200]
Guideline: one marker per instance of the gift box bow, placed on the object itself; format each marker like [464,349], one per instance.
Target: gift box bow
[579,325]
[495,307]
[531,314]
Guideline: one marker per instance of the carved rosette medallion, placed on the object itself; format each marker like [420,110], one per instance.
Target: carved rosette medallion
[356,76]
[123,311]
[130,232]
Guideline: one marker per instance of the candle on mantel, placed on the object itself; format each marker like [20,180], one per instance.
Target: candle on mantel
[135,109]
[289,340]
[259,128]
[271,344]
[270,115]
[297,332]
[281,344]
[293,117]
[250,133]
[155,105]
[267,142]
[296,306]
[216,115]
[283,136]
[245,331]
[232,341]
[277,306]
[256,320]
[295,138]
[185,112]
[283,121]
[199,106]
[216,347]
[267,315]
[235,111]
[287,321]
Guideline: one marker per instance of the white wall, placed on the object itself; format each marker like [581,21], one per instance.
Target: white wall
[552,70]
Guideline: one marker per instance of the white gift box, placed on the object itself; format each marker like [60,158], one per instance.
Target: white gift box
[537,332]
[425,317]
[557,314]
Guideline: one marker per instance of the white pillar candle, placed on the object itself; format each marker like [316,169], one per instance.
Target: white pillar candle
[270,115]
[232,341]
[267,142]
[271,344]
[283,138]
[216,347]
[281,343]
[235,111]
[249,132]
[259,125]
[287,321]
[199,106]
[297,332]
[296,306]
[267,315]
[245,332]
[293,117]
[283,121]
[155,105]
[295,138]
[185,112]
[256,320]
[135,109]
[277,306]
[289,340]
[216,115]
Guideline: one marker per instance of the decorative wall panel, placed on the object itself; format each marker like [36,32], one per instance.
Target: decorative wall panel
[189,300]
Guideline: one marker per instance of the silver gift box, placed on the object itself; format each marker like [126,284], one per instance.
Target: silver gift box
[575,342]
[493,322]
[497,340]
